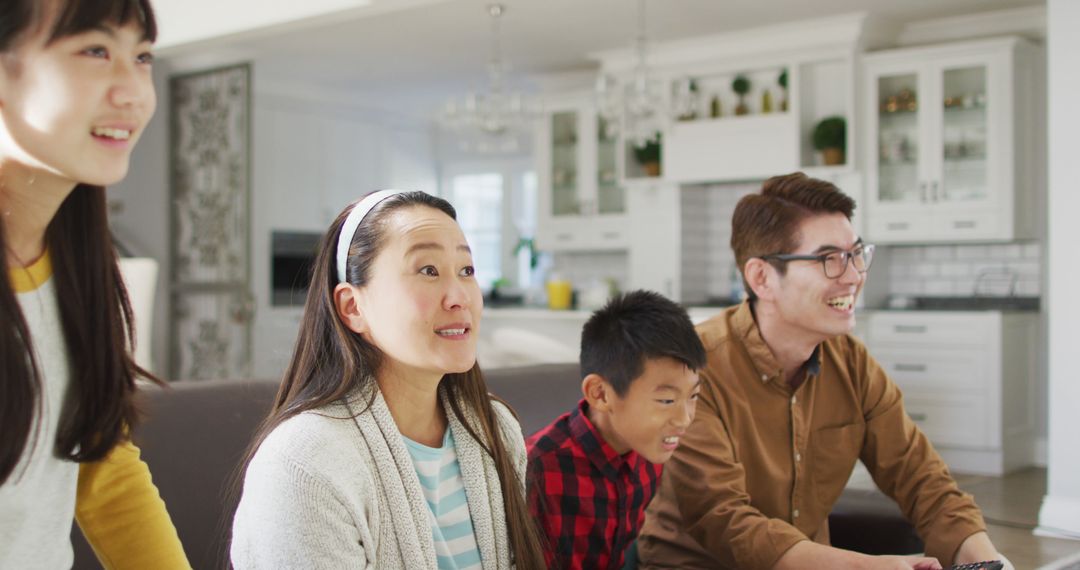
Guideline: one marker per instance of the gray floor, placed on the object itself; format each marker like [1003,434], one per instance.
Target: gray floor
[1010,505]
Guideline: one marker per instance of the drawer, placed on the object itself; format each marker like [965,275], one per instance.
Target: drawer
[951,421]
[924,328]
[897,227]
[934,369]
[968,225]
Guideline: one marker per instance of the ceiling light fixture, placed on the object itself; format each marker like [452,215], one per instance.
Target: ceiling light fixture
[493,121]
[637,107]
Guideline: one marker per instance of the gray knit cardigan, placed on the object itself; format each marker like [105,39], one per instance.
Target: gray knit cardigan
[326,490]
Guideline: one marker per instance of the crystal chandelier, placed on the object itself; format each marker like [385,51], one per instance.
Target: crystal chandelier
[638,108]
[496,120]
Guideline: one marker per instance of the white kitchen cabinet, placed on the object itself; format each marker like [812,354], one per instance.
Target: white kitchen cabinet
[947,143]
[655,239]
[582,205]
[968,380]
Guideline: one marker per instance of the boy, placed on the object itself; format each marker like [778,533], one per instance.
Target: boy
[593,471]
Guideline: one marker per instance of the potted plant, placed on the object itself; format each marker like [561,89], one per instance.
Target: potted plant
[782,82]
[830,137]
[741,86]
[648,155]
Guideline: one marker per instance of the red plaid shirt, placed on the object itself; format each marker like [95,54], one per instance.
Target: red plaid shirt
[589,500]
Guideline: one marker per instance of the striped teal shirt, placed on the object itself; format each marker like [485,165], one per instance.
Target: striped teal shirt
[448,507]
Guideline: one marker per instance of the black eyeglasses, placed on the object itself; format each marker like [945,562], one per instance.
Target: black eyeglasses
[835,262]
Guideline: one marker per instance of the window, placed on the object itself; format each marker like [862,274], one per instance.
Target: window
[496,206]
[478,199]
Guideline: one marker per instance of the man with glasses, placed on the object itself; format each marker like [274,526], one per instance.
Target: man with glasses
[789,402]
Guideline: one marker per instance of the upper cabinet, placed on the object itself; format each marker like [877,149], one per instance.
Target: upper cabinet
[768,129]
[582,204]
[947,143]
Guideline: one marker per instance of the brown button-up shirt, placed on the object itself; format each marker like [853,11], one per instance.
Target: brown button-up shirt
[763,463]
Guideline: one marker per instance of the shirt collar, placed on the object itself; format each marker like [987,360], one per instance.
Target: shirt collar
[602,455]
[24,280]
[744,325]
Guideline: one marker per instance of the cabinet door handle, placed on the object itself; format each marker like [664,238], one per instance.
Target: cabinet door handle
[919,417]
[964,224]
[923,188]
[611,235]
[934,197]
[896,226]
[909,367]
[910,329]
[564,237]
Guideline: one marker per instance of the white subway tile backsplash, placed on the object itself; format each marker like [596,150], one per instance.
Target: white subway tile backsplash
[942,287]
[997,269]
[1010,251]
[939,253]
[1027,287]
[955,269]
[906,287]
[905,254]
[925,270]
[973,252]
[1024,269]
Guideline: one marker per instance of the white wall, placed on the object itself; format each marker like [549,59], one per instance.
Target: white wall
[312,154]
[1061,506]
[184,21]
[312,157]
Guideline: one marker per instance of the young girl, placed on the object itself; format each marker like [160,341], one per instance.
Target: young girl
[384,449]
[75,94]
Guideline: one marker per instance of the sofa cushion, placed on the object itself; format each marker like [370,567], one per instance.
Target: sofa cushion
[193,438]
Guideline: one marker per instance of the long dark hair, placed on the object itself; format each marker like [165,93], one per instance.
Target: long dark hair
[330,361]
[95,314]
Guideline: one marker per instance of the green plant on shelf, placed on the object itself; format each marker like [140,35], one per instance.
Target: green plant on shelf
[782,82]
[741,86]
[830,137]
[648,154]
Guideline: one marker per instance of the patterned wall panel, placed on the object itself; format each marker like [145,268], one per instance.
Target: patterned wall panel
[210,277]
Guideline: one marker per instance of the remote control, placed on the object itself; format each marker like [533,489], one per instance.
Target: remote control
[985,565]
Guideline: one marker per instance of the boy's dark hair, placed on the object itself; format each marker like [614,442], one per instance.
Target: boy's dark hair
[631,328]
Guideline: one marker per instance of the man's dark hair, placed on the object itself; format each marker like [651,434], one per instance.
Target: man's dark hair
[634,327]
[767,222]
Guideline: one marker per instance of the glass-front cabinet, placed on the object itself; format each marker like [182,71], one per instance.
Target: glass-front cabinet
[942,162]
[582,203]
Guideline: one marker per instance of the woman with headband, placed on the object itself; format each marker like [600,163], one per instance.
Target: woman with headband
[383,448]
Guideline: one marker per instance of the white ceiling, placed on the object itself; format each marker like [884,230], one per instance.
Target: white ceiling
[412,55]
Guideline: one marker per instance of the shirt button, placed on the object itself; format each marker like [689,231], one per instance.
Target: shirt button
[764,377]
[795,513]
[794,400]
[798,457]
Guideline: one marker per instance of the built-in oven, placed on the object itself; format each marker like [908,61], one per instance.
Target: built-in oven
[292,255]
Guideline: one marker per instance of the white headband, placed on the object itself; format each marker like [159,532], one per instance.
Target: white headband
[348,229]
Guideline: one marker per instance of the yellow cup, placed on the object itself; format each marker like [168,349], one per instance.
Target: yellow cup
[559,294]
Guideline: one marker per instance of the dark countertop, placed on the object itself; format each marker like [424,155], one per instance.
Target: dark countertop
[916,303]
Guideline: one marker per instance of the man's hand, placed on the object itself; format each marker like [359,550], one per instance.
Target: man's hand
[977,548]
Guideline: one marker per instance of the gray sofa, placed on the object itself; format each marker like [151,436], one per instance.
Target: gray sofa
[196,432]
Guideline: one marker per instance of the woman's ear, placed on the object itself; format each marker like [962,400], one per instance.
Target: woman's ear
[757,274]
[347,303]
